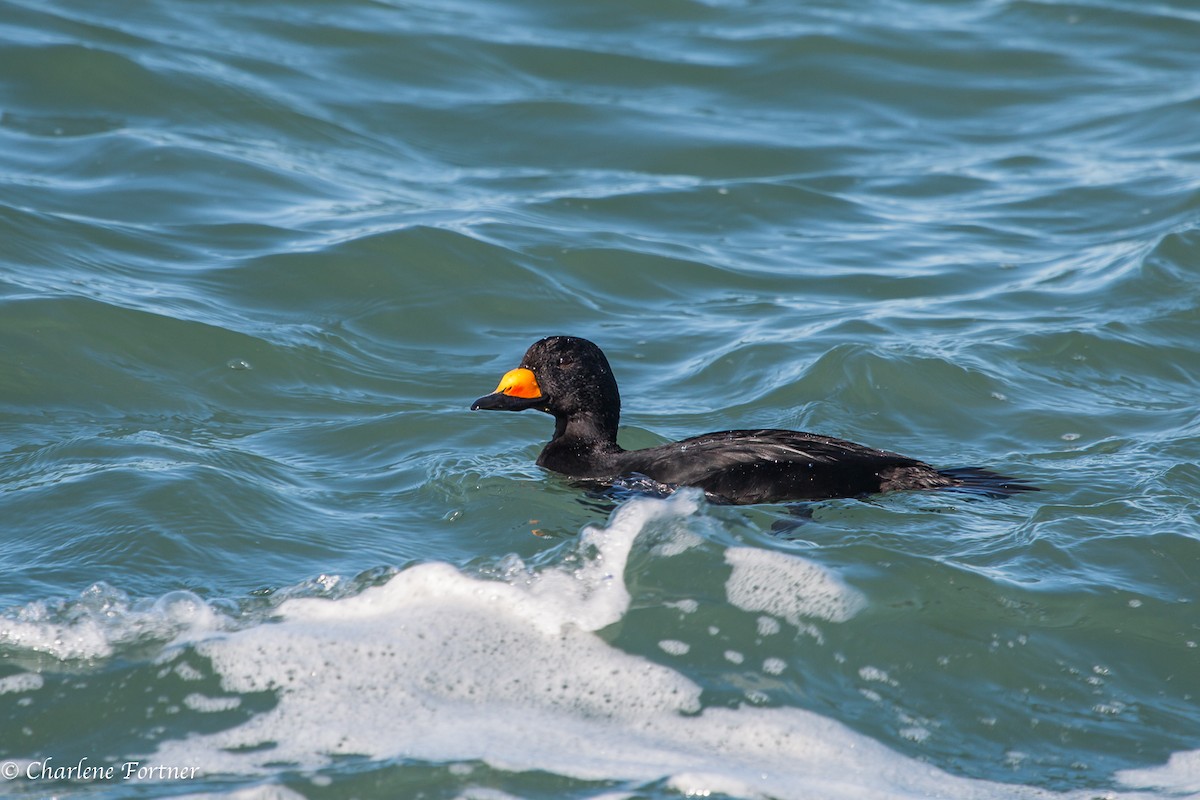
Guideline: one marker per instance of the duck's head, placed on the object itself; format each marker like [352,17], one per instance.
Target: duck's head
[562,375]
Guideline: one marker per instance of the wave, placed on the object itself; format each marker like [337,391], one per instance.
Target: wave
[512,666]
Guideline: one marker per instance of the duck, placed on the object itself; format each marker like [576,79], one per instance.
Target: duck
[570,378]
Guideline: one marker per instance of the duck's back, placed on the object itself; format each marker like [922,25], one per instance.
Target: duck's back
[762,466]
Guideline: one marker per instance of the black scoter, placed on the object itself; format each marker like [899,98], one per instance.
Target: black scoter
[570,378]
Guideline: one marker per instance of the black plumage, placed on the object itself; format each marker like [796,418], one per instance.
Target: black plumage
[570,378]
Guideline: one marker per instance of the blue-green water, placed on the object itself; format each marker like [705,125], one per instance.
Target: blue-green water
[256,260]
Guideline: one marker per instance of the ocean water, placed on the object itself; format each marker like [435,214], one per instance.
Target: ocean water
[257,259]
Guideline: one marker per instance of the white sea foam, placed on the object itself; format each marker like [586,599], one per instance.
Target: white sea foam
[675,647]
[103,618]
[21,682]
[1180,776]
[442,666]
[788,586]
[438,665]
[774,666]
[206,704]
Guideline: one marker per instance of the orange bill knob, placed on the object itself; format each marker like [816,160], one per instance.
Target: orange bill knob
[519,382]
[518,390]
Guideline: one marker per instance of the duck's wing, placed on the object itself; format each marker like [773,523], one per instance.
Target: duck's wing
[756,466]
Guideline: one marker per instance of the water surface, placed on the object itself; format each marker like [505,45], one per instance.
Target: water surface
[257,259]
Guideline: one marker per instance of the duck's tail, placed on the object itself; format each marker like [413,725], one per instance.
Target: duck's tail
[984,482]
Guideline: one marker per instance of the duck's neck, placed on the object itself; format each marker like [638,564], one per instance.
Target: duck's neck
[583,446]
[586,428]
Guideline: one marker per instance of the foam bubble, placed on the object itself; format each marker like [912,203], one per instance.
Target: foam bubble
[788,586]
[1180,775]
[686,606]
[187,672]
[208,705]
[869,673]
[103,618]
[914,733]
[674,647]
[774,666]
[485,793]
[34,628]
[21,682]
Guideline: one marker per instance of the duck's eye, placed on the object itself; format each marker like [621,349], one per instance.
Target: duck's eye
[566,361]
